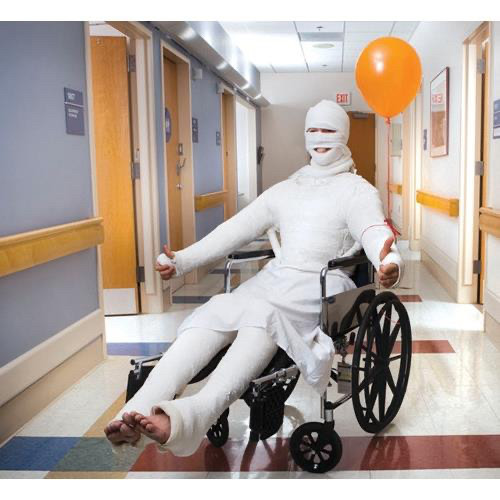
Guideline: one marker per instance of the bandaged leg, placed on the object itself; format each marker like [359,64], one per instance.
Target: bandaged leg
[191,417]
[189,354]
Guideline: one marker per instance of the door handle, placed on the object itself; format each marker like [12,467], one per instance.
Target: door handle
[180,165]
[179,186]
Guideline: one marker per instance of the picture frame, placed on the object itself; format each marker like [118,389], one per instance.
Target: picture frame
[439,108]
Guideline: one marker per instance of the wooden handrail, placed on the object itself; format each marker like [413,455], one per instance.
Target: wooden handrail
[489,221]
[449,206]
[24,250]
[209,200]
[396,188]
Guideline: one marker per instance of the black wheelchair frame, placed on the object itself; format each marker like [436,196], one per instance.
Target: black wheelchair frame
[315,446]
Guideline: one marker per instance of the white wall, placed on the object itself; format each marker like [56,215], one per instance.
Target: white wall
[492,286]
[440,44]
[290,95]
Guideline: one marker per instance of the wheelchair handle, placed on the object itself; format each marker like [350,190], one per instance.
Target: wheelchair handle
[347,261]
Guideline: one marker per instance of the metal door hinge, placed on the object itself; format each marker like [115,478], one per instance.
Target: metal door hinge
[136,170]
[479,168]
[131,63]
[481,66]
[141,276]
[476,267]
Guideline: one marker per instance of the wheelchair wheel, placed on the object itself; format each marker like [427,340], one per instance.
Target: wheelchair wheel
[315,447]
[218,434]
[381,362]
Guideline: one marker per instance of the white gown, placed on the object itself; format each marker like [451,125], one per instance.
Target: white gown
[321,214]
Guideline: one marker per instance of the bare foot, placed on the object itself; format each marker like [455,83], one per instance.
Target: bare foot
[156,427]
[119,432]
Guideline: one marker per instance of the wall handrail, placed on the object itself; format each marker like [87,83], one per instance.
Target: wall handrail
[489,221]
[32,248]
[449,206]
[209,200]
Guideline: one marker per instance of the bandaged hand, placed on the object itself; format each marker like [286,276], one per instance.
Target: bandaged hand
[164,264]
[388,273]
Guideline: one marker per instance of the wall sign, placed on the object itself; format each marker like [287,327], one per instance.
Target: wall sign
[496,119]
[425,139]
[195,129]
[73,109]
[440,92]
[168,125]
[344,98]
[217,138]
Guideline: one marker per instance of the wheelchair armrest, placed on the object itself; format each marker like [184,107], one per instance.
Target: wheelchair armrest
[251,254]
[347,261]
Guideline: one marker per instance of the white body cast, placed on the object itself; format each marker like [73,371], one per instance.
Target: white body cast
[321,213]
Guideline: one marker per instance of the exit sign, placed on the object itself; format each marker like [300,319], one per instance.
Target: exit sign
[344,98]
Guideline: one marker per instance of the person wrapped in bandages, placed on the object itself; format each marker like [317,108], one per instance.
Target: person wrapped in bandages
[323,211]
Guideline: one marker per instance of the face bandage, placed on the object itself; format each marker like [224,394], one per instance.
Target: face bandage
[327,115]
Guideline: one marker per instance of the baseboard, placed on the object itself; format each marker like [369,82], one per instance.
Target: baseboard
[204,270]
[492,329]
[447,265]
[492,304]
[19,410]
[26,369]
[445,280]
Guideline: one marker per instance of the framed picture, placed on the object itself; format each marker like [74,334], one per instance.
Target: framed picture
[439,114]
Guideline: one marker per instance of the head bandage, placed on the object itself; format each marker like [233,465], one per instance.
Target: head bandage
[327,115]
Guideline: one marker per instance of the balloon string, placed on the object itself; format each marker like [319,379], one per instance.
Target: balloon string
[388,121]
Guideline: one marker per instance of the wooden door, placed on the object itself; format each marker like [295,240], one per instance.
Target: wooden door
[362,143]
[113,171]
[174,159]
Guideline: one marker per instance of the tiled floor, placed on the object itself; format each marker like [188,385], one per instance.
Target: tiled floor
[447,427]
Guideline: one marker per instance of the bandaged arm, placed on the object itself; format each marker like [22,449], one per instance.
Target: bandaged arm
[248,224]
[365,220]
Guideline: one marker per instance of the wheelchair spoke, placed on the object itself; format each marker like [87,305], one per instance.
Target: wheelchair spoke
[390,381]
[381,397]
[394,336]
[394,358]
[387,320]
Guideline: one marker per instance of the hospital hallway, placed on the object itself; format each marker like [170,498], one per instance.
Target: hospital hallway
[448,426]
[138,158]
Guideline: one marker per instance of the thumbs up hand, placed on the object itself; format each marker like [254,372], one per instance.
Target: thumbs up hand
[168,270]
[387,273]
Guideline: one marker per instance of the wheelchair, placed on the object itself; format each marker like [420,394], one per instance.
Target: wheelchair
[375,328]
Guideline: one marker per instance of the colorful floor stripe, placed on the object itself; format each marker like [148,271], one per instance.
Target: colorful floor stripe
[90,455]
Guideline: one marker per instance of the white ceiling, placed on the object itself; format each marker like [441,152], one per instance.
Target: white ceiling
[284,46]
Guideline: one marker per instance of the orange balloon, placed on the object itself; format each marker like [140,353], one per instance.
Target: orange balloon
[388,74]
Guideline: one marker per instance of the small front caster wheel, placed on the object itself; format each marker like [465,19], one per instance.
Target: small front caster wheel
[218,434]
[315,447]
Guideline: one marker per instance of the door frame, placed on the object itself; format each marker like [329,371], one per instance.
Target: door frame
[413,177]
[144,144]
[230,174]
[186,138]
[468,283]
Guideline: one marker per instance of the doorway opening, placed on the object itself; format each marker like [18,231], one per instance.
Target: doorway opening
[246,152]
[177,139]
[474,165]
[120,86]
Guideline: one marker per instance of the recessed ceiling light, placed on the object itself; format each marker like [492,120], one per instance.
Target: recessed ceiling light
[324,65]
[323,45]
